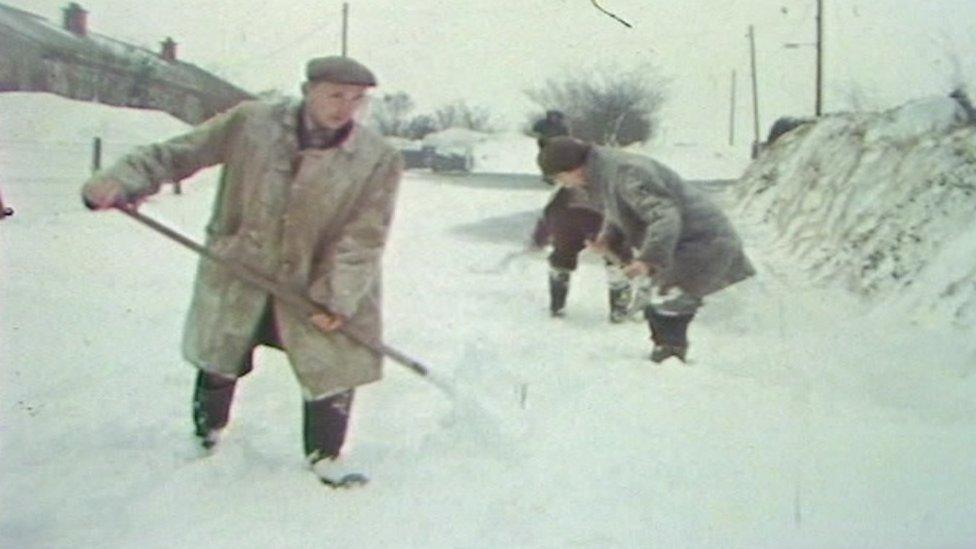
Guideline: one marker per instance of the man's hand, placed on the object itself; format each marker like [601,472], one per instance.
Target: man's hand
[599,246]
[328,323]
[103,194]
[638,268]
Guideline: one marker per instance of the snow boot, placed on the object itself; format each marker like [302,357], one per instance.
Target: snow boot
[558,289]
[619,292]
[324,424]
[335,473]
[642,291]
[669,334]
[212,396]
[620,303]
[662,352]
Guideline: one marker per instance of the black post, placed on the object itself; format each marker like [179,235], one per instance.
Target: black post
[97,154]
[818,108]
[755,92]
[732,112]
[5,211]
[345,27]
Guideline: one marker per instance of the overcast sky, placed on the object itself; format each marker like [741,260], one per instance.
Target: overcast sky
[878,53]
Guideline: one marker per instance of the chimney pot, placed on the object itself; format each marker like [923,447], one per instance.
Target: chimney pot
[168,49]
[76,19]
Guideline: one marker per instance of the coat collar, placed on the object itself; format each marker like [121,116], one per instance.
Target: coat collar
[289,121]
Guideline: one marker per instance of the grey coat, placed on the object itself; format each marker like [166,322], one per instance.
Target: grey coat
[316,221]
[676,229]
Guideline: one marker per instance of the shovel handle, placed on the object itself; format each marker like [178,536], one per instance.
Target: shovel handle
[298,302]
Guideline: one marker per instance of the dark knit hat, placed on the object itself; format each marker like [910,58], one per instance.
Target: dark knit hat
[562,154]
[339,70]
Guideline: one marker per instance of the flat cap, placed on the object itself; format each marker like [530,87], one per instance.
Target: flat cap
[339,70]
[562,154]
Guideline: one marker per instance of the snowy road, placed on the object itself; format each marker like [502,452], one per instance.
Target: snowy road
[804,420]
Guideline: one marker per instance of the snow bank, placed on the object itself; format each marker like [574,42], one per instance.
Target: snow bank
[881,202]
[506,153]
[454,137]
[48,139]
[65,119]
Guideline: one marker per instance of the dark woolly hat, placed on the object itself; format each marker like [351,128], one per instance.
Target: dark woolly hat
[339,70]
[562,154]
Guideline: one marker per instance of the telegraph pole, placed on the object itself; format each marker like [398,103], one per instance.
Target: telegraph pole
[818,110]
[345,28]
[755,91]
[732,112]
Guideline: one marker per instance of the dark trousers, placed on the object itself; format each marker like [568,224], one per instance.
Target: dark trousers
[570,228]
[324,421]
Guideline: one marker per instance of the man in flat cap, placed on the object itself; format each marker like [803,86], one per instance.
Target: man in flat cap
[306,197]
[683,241]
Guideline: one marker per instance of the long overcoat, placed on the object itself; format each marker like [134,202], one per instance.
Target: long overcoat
[315,221]
[675,228]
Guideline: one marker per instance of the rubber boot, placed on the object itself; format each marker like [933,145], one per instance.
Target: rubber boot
[619,303]
[669,334]
[558,290]
[619,292]
[212,397]
[324,424]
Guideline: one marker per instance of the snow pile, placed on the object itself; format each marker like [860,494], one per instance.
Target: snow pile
[47,139]
[507,152]
[402,143]
[881,202]
[88,120]
[454,138]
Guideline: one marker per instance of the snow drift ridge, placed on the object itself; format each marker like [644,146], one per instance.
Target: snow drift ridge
[881,202]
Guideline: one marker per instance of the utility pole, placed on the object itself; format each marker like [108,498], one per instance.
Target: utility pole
[755,91]
[732,112]
[818,110]
[345,27]
[818,86]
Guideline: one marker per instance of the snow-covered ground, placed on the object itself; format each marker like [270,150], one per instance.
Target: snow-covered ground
[805,419]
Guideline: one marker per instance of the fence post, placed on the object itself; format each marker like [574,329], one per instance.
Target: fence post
[96,154]
[5,211]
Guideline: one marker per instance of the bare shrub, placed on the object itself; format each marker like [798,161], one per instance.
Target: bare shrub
[461,115]
[606,106]
[420,126]
[390,114]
